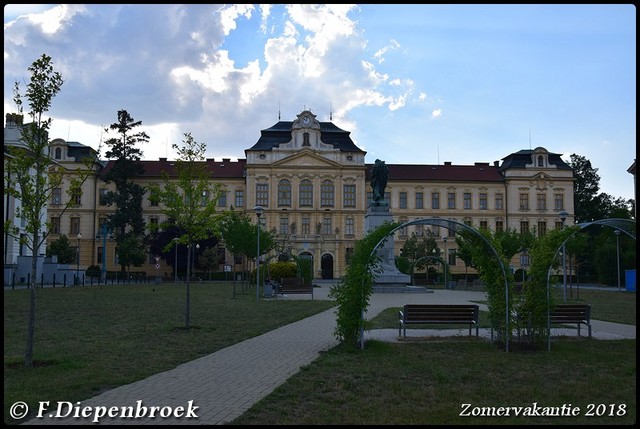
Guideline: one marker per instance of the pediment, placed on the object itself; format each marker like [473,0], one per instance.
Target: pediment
[306,159]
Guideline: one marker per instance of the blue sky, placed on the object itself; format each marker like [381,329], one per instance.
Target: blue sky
[412,83]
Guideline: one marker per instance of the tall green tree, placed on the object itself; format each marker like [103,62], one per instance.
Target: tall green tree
[31,175]
[589,204]
[126,222]
[189,201]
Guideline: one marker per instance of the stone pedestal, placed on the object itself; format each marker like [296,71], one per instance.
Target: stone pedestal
[390,276]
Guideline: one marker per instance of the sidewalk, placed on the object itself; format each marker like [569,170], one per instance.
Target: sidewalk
[225,384]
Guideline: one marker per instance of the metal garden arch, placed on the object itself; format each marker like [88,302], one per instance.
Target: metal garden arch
[456,227]
[625,226]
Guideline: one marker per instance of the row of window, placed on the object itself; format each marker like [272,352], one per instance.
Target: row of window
[327,197]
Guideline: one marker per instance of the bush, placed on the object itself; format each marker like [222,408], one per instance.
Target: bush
[279,270]
[93,271]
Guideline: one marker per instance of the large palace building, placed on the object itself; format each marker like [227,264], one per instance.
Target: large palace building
[314,185]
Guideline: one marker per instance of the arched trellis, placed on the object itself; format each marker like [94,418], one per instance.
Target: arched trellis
[625,226]
[456,227]
[425,258]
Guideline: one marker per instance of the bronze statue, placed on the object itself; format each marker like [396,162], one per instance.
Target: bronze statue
[379,176]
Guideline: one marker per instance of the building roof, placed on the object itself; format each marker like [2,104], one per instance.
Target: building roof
[225,169]
[479,172]
[281,133]
[521,158]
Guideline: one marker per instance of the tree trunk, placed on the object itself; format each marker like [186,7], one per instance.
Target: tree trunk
[28,356]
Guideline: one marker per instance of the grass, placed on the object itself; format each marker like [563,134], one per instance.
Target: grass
[92,339]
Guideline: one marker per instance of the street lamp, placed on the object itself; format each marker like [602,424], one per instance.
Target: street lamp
[79,236]
[617,233]
[563,216]
[444,239]
[193,260]
[258,210]
[175,264]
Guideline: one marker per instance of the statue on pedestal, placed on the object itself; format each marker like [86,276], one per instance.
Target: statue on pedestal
[379,176]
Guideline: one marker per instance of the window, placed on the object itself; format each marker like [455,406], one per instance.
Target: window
[558,224]
[55,224]
[541,201]
[284,225]
[451,257]
[403,200]
[100,255]
[284,193]
[403,230]
[348,253]
[326,193]
[348,227]
[419,230]
[451,200]
[103,197]
[76,196]
[499,226]
[419,200]
[306,193]
[154,224]
[540,161]
[524,201]
[58,154]
[262,195]
[467,200]
[558,202]
[153,201]
[349,196]
[204,198]
[74,226]
[484,205]
[56,196]
[435,200]
[499,201]
[305,139]
[524,226]
[542,228]
[467,221]
[484,224]
[239,198]
[306,225]
[326,226]
[222,199]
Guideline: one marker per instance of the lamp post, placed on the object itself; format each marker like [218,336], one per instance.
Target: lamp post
[617,232]
[175,263]
[258,210]
[78,237]
[563,216]
[446,285]
[193,259]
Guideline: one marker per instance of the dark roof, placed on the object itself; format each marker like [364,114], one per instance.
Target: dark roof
[480,172]
[329,133]
[225,169]
[523,157]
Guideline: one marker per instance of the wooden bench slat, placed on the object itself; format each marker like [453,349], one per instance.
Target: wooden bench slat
[580,314]
[294,286]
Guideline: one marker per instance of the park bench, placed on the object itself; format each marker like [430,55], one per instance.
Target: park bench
[572,313]
[294,286]
[420,314]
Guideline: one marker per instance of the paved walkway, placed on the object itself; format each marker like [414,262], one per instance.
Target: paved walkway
[225,384]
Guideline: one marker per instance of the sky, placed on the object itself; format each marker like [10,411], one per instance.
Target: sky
[413,84]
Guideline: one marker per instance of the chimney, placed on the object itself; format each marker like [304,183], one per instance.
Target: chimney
[447,163]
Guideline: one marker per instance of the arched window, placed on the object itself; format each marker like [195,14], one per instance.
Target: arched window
[58,154]
[306,193]
[540,161]
[326,194]
[284,193]
[305,140]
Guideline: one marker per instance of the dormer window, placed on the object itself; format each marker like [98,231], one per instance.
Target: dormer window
[305,140]
[540,161]
[58,153]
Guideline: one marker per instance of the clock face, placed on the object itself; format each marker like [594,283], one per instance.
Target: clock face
[306,120]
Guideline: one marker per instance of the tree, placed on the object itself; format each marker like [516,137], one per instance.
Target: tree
[62,249]
[31,175]
[126,222]
[420,253]
[240,235]
[189,202]
[589,205]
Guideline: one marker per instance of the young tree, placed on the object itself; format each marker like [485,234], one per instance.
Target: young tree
[62,249]
[31,175]
[189,200]
[126,222]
